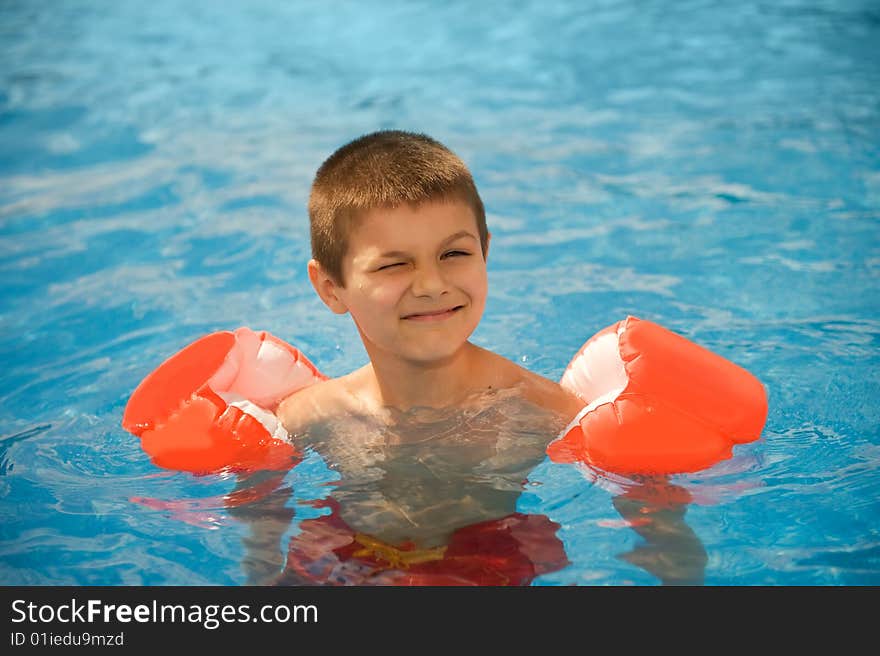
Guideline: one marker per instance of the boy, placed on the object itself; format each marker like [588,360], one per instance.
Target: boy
[435,433]
[399,240]
[435,437]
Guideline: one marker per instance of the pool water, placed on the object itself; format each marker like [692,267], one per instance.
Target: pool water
[713,167]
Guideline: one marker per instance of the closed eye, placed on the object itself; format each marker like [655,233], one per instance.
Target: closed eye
[455,253]
[389,266]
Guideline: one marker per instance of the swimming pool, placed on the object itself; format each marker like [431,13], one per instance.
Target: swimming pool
[715,170]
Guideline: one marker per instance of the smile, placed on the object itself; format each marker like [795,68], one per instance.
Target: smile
[437,315]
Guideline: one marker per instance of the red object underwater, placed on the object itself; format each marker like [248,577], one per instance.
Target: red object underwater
[511,550]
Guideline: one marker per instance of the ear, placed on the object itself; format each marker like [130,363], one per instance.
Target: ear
[327,288]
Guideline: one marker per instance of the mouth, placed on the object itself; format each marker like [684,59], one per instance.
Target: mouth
[433,315]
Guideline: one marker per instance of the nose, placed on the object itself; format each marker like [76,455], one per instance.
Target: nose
[429,281]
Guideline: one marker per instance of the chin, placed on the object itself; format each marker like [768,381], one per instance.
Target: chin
[436,353]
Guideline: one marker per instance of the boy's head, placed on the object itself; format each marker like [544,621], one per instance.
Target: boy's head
[383,169]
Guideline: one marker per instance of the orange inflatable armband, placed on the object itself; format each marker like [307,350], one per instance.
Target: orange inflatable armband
[210,406]
[658,403]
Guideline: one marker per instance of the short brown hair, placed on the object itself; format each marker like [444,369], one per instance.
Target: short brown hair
[383,169]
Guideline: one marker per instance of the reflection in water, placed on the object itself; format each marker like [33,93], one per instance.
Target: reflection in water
[429,498]
[260,502]
[671,551]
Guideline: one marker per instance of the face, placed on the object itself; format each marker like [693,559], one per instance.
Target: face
[415,281]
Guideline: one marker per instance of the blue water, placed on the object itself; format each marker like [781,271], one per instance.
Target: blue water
[714,167]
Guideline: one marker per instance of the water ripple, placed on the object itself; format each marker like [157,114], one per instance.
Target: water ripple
[6,442]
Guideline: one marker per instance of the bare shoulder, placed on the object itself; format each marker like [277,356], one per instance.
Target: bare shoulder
[550,394]
[535,388]
[314,404]
[304,408]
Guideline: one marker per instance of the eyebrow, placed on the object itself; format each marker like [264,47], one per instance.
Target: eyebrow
[448,240]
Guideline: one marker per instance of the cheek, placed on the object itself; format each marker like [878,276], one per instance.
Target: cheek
[475,283]
[386,294]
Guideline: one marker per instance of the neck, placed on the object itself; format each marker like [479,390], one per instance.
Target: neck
[403,384]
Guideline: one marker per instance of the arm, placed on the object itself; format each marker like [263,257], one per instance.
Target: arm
[671,550]
[259,501]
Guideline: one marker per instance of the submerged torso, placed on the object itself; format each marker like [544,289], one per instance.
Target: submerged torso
[418,475]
